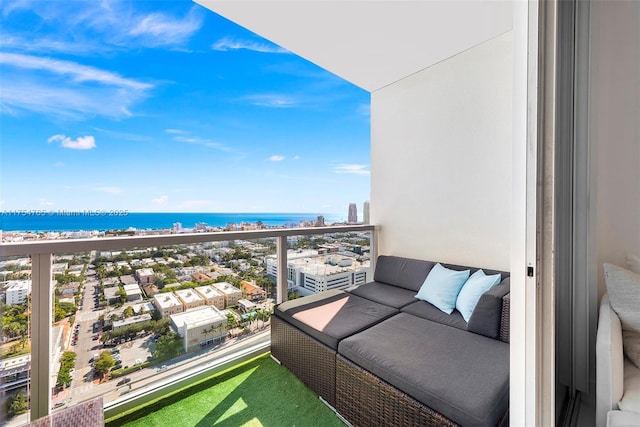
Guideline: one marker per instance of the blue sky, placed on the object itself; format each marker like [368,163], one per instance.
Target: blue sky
[164,106]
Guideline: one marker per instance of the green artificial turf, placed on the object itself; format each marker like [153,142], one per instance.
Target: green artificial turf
[257,393]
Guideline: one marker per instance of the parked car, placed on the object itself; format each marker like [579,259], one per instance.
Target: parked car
[58,405]
[124,381]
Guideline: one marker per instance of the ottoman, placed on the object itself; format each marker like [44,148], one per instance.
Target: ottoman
[305,333]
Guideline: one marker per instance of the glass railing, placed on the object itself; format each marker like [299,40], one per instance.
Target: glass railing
[125,317]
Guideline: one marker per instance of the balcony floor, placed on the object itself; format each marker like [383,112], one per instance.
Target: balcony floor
[256,393]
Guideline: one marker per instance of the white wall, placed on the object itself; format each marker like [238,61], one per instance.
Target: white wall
[615,128]
[441,159]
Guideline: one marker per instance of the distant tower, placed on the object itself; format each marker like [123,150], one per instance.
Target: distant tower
[353,214]
[320,221]
[365,212]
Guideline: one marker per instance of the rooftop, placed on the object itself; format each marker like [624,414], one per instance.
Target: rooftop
[197,316]
[166,300]
[188,295]
[226,288]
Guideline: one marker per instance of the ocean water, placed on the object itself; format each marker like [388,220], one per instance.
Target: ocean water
[34,220]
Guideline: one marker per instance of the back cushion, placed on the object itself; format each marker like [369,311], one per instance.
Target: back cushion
[406,273]
[486,317]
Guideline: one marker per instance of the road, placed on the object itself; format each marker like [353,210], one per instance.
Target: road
[86,346]
[147,377]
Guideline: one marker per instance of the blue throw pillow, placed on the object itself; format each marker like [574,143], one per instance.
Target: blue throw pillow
[470,294]
[441,287]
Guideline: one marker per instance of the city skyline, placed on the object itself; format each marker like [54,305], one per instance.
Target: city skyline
[167,107]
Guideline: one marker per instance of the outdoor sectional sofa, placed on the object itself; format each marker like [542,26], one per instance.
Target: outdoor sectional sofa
[381,357]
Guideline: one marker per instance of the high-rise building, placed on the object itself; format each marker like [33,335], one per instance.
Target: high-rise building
[17,291]
[353,213]
[365,212]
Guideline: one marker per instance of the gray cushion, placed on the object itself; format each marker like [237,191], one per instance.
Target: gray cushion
[463,376]
[332,315]
[385,294]
[402,272]
[430,312]
[485,319]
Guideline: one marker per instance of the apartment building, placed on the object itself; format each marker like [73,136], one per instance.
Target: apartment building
[145,276]
[17,291]
[211,296]
[167,304]
[231,293]
[190,298]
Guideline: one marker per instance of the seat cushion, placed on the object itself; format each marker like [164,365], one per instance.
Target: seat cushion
[332,315]
[402,272]
[463,376]
[383,293]
[428,311]
[631,397]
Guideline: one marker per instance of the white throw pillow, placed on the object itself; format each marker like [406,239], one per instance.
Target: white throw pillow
[623,287]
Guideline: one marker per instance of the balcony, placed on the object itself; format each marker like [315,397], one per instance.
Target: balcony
[150,380]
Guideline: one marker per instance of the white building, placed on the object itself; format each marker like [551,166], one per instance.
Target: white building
[111,294]
[211,296]
[200,327]
[120,324]
[144,306]
[17,291]
[231,293]
[167,304]
[317,273]
[319,278]
[133,292]
[190,298]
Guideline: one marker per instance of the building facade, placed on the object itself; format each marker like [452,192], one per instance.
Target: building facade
[353,213]
[231,293]
[145,276]
[211,296]
[200,327]
[190,298]
[167,304]
[17,291]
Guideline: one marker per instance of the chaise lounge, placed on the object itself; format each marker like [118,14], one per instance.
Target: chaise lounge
[382,355]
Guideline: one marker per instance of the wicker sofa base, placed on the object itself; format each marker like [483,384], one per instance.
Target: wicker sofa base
[310,360]
[363,399]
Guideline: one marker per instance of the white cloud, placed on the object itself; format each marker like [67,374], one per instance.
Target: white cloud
[364,110]
[110,190]
[175,131]
[352,169]
[66,88]
[205,143]
[46,203]
[273,100]
[105,24]
[77,72]
[81,143]
[48,45]
[159,29]
[296,157]
[276,158]
[227,44]
[161,201]
[58,165]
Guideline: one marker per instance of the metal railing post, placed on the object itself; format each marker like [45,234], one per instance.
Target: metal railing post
[282,285]
[41,317]
[373,244]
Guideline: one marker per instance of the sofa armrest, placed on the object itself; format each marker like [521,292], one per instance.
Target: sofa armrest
[609,362]
[505,319]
